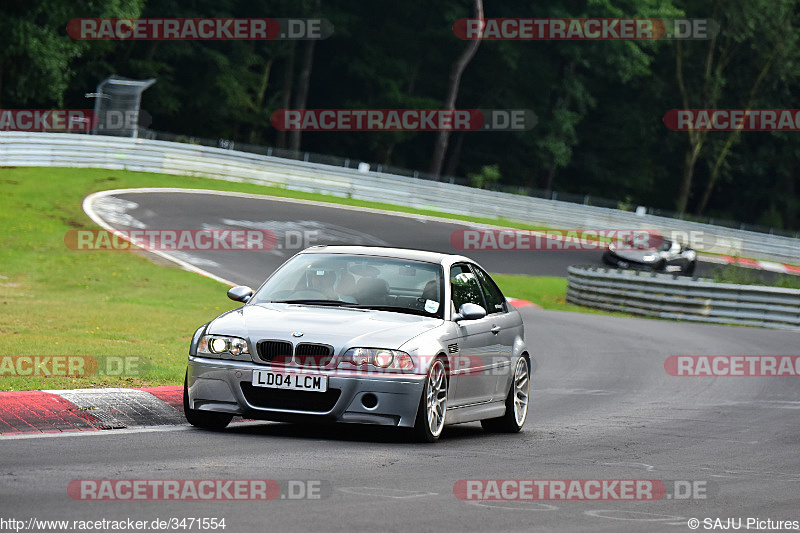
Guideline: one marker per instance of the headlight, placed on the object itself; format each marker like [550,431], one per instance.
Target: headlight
[218,344]
[612,246]
[378,357]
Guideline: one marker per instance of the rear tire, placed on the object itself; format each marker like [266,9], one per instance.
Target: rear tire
[433,404]
[516,402]
[203,419]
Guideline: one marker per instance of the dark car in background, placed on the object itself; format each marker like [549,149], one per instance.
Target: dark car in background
[669,256]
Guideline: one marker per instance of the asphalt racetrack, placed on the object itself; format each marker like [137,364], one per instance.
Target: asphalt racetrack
[603,408]
[296,224]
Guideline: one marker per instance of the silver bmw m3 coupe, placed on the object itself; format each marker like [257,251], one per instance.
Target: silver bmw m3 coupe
[367,335]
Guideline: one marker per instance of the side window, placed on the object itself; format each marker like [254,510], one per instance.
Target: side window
[495,300]
[465,286]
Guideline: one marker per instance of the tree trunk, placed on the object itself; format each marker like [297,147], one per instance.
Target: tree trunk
[696,138]
[303,84]
[551,176]
[689,162]
[440,146]
[455,155]
[151,51]
[286,96]
[789,214]
[561,102]
[258,104]
[732,136]
[386,156]
[302,91]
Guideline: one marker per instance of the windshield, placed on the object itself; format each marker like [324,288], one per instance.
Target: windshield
[357,281]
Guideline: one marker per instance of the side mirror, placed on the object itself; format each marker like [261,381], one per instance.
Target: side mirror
[469,311]
[240,293]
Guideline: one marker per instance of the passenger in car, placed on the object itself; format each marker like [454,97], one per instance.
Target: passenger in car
[372,291]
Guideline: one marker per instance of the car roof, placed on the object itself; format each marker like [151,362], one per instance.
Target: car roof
[395,253]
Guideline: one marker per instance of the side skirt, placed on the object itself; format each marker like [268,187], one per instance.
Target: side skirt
[473,412]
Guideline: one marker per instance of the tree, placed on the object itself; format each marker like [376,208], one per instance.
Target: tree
[442,137]
[778,57]
[755,36]
[37,55]
[487,177]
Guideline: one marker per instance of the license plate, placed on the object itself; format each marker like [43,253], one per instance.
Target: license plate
[290,381]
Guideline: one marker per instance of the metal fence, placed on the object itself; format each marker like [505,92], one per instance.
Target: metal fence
[73,150]
[682,298]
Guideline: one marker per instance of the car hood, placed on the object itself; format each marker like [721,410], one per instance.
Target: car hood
[338,326]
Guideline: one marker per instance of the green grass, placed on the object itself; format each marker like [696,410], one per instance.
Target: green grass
[746,276]
[549,292]
[57,301]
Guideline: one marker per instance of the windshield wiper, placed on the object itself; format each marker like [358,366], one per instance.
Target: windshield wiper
[393,308]
[335,303]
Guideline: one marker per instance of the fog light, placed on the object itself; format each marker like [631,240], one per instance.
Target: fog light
[369,401]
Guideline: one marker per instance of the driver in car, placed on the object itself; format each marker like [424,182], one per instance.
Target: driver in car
[322,280]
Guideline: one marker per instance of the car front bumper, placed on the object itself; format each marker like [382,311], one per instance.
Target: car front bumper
[226,386]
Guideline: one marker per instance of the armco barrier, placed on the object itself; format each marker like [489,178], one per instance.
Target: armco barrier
[683,298]
[76,150]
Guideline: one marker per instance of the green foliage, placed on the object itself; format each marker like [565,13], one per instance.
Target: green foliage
[489,175]
[748,276]
[600,104]
[37,55]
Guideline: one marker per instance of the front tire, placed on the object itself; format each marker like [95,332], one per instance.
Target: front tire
[433,404]
[203,419]
[516,402]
